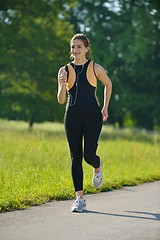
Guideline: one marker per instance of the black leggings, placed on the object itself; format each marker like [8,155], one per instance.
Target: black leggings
[81,124]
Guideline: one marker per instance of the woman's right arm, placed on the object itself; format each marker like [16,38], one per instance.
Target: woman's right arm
[62,83]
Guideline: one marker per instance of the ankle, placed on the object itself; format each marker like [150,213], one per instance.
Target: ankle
[79,194]
[98,170]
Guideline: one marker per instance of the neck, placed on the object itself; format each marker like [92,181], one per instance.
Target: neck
[80,61]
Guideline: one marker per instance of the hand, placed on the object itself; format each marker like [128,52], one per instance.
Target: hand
[63,78]
[104,114]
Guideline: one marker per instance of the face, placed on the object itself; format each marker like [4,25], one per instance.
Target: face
[78,49]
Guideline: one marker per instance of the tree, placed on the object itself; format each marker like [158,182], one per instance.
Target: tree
[32,57]
[124,37]
[124,40]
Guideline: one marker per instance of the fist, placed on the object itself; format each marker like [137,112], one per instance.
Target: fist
[63,77]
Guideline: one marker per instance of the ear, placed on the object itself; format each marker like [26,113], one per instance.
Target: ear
[87,49]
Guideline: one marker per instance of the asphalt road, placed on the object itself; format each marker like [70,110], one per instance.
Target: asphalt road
[130,213]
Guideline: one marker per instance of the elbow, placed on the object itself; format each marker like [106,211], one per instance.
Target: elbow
[110,85]
[60,101]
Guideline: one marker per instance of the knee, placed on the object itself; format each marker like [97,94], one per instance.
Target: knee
[92,160]
[89,158]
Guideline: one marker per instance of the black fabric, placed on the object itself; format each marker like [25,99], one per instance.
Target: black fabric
[83,124]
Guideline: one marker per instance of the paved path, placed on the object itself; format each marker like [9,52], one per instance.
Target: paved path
[131,213]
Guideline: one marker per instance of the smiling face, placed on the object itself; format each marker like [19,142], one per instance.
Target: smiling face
[78,49]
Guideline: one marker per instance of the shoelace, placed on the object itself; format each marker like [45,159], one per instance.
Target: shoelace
[79,199]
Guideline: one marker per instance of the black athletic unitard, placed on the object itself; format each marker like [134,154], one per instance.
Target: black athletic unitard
[83,119]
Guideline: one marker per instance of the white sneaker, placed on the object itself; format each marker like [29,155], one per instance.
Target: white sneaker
[79,205]
[97,178]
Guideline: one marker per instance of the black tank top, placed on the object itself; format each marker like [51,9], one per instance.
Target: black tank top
[82,95]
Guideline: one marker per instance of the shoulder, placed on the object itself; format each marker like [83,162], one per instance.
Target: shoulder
[62,69]
[99,69]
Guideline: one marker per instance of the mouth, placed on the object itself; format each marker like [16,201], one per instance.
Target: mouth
[75,54]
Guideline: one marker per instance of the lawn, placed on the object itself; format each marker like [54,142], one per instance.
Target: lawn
[35,166]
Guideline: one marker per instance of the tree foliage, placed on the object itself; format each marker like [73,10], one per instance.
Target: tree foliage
[125,40]
[34,40]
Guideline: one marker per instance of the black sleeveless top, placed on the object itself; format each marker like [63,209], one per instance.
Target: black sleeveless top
[82,95]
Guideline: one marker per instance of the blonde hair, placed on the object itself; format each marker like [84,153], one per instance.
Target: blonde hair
[82,37]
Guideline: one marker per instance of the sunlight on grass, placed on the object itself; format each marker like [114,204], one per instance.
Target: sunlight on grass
[35,166]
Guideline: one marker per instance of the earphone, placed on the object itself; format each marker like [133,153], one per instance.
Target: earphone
[76,82]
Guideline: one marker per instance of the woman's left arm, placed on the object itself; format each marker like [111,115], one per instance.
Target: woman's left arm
[102,76]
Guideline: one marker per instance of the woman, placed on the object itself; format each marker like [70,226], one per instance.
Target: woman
[83,117]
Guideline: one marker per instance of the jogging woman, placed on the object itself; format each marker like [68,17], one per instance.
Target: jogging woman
[83,116]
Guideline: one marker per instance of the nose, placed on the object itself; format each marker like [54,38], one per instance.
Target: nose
[75,50]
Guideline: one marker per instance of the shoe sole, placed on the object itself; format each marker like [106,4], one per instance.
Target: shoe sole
[84,209]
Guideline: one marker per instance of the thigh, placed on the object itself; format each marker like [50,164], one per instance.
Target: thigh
[73,129]
[92,130]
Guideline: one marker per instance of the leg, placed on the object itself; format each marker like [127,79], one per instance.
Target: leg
[91,135]
[74,135]
[73,130]
[92,130]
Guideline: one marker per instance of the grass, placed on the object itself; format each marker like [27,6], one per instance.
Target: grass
[35,166]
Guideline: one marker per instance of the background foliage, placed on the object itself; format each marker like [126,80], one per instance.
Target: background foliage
[34,40]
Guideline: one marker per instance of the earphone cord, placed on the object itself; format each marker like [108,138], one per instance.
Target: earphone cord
[77,79]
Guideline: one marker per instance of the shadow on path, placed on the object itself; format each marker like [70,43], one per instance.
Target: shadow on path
[154,216]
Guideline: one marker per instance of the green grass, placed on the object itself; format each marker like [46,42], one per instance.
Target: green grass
[35,166]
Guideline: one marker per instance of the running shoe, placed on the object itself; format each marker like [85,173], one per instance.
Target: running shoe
[97,178]
[79,205]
